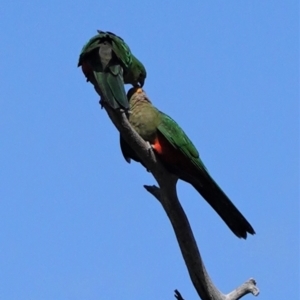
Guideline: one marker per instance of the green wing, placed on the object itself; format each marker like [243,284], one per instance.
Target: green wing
[108,65]
[112,87]
[204,183]
[121,50]
[179,140]
[119,47]
[92,44]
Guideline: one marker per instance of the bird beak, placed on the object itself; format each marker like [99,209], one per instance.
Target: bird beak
[141,82]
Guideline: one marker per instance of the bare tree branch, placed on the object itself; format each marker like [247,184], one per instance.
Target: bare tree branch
[167,196]
[246,288]
[178,295]
[191,255]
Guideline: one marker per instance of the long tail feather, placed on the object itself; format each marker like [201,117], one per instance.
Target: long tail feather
[217,199]
[111,89]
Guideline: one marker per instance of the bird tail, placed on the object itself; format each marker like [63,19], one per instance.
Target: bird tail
[217,199]
[111,89]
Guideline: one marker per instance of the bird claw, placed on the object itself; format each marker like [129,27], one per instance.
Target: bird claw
[149,146]
[125,111]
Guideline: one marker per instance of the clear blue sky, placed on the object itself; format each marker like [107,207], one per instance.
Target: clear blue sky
[75,222]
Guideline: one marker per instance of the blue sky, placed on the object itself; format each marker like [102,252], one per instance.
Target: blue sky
[75,222]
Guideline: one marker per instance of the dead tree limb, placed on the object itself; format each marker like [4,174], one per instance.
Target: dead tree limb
[167,196]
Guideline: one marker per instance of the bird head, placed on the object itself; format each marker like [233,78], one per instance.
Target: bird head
[136,74]
[134,91]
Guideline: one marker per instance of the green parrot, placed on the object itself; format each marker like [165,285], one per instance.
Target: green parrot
[180,157]
[108,63]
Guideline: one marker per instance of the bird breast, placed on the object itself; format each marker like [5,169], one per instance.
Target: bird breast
[145,119]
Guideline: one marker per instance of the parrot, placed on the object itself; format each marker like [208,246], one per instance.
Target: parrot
[180,157]
[107,62]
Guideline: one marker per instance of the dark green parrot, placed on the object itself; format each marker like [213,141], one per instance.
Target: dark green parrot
[180,157]
[108,64]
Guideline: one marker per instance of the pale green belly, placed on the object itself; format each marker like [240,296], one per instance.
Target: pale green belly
[145,122]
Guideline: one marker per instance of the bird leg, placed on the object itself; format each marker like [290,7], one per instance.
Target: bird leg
[125,111]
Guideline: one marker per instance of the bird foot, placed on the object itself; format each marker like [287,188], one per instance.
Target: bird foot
[149,146]
[101,103]
[125,111]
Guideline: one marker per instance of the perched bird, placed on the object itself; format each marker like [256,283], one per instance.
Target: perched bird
[180,157]
[108,64]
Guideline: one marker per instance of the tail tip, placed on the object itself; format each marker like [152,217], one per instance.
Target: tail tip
[245,233]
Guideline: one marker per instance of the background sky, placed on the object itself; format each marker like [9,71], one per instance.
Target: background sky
[75,221]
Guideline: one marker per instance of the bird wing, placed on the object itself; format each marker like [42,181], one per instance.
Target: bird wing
[179,140]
